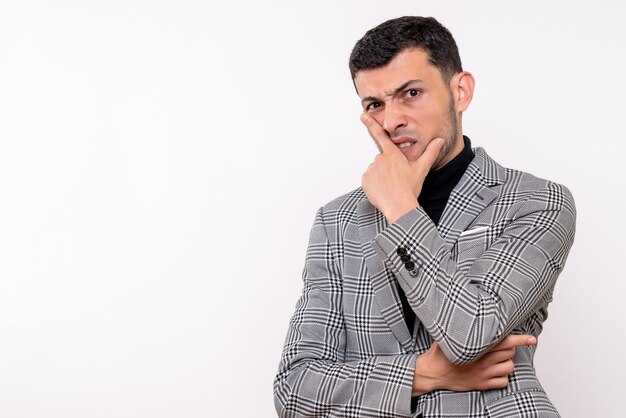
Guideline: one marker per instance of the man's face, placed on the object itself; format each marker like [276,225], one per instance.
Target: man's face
[410,100]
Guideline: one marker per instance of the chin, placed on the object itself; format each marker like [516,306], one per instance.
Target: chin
[415,155]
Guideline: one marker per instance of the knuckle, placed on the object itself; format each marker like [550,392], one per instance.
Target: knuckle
[510,366]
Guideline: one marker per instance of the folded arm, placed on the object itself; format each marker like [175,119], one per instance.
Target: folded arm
[468,312]
[315,380]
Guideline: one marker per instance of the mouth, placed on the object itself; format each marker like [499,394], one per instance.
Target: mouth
[405,145]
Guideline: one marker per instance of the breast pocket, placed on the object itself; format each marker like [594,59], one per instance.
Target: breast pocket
[471,245]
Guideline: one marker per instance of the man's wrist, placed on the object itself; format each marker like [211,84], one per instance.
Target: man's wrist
[399,211]
[423,382]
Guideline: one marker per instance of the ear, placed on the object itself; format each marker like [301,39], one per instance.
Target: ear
[462,85]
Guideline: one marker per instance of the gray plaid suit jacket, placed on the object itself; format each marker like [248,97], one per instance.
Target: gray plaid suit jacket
[487,270]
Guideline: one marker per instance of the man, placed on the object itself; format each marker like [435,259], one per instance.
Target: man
[424,289]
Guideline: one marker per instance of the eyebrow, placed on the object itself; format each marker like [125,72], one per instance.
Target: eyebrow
[396,91]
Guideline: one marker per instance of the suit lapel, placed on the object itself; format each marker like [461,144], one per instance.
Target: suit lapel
[371,223]
[470,196]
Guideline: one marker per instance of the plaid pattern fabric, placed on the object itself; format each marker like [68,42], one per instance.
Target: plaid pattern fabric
[487,270]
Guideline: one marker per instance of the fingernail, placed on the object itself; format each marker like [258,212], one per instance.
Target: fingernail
[532,340]
[364,117]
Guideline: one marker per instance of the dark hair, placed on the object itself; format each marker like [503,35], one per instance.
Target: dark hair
[381,44]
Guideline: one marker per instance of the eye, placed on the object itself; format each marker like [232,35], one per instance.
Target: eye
[373,106]
[412,93]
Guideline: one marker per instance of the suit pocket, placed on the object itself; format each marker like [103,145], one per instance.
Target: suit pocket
[532,403]
[471,245]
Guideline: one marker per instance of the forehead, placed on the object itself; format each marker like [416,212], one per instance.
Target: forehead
[410,64]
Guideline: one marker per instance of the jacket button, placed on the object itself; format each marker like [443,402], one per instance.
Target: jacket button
[410,265]
[401,251]
[405,258]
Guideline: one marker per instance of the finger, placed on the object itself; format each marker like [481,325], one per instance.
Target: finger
[498,356]
[497,382]
[378,134]
[504,368]
[424,163]
[513,341]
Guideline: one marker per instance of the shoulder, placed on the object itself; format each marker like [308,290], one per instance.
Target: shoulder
[344,207]
[520,186]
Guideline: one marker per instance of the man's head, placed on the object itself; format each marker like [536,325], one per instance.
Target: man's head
[408,74]
[382,43]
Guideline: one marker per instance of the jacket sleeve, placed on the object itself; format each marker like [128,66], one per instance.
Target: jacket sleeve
[467,311]
[313,379]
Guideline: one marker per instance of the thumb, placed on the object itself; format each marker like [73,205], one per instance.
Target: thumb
[425,162]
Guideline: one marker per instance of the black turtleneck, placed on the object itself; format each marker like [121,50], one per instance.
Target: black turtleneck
[439,183]
[435,192]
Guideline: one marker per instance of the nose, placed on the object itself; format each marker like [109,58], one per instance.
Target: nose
[395,118]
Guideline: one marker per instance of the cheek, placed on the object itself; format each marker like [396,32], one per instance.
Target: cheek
[433,118]
[425,110]
[426,119]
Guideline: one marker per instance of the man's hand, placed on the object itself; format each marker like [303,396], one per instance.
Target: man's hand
[434,371]
[392,183]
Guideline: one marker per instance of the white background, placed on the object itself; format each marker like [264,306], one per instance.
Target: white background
[161,163]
